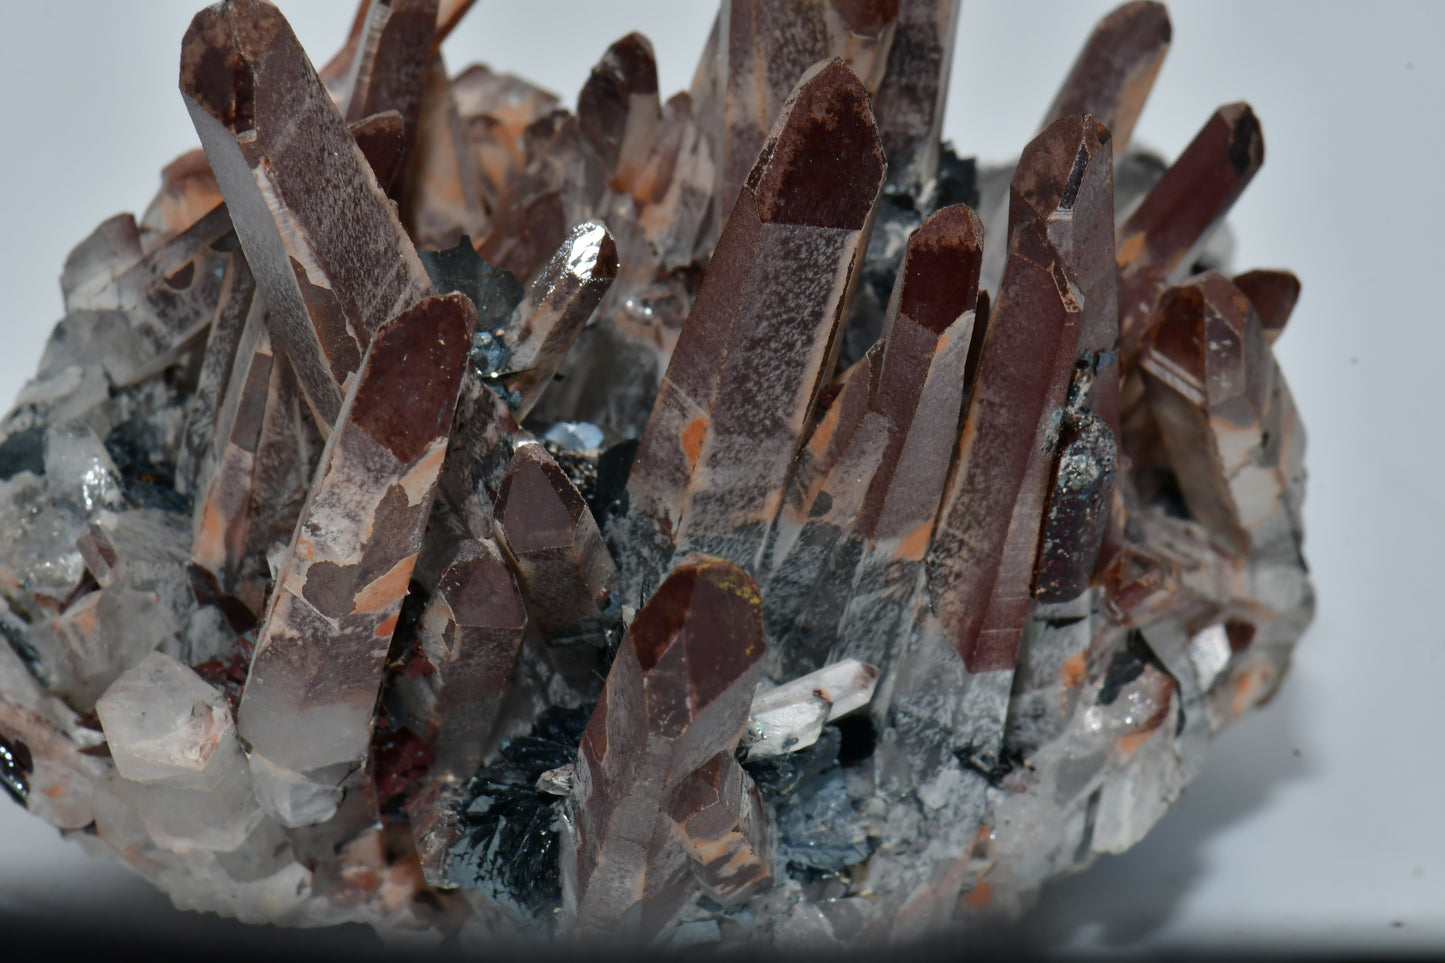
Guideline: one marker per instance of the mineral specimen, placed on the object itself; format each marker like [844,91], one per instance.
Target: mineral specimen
[730,518]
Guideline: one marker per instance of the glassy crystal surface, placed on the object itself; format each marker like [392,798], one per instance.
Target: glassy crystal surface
[725,518]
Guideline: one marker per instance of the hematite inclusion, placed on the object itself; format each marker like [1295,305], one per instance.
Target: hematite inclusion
[724,518]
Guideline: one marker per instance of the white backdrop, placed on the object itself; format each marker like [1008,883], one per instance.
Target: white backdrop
[1317,820]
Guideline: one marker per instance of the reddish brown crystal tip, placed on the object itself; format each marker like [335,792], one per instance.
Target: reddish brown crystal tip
[1246,140]
[711,596]
[631,64]
[607,263]
[941,276]
[1051,168]
[537,504]
[480,589]
[823,164]
[217,54]
[1273,294]
[409,387]
[382,140]
[1136,23]
[1116,69]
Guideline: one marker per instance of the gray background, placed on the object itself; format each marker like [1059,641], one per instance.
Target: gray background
[1317,820]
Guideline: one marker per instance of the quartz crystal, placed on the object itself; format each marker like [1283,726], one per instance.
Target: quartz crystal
[727,518]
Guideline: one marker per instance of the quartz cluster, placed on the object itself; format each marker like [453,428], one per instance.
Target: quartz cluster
[729,518]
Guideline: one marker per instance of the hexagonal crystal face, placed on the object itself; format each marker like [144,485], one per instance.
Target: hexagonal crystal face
[165,725]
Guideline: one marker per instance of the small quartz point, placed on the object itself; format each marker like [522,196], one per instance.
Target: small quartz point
[557,782]
[1116,69]
[1177,216]
[174,743]
[331,257]
[1273,295]
[485,437]
[848,544]
[1077,508]
[657,794]
[382,139]
[100,635]
[618,109]
[1231,432]
[496,109]
[223,499]
[558,304]
[470,633]
[562,564]
[188,193]
[141,552]
[92,267]
[469,636]
[166,726]
[790,717]
[760,343]
[449,14]
[572,161]
[309,697]
[524,236]
[719,816]
[141,321]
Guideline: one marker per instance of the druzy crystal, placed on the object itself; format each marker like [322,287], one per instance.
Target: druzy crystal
[729,518]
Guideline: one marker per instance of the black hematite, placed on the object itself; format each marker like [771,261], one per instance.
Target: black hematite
[509,844]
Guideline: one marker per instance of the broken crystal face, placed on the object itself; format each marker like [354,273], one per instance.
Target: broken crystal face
[725,518]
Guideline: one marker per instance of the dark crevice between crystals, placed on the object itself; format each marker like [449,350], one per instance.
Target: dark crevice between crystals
[229,675]
[1022,733]
[509,844]
[859,738]
[609,495]
[23,451]
[400,757]
[146,483]
[207,591]
[1168,498]
[896,217]
[819,835]
[1126,666]
[1086,839]
[84,587]
[496,292]
[14,628]
[405,643]
[580,467]
[957,179]
[993,768]
[15,769]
